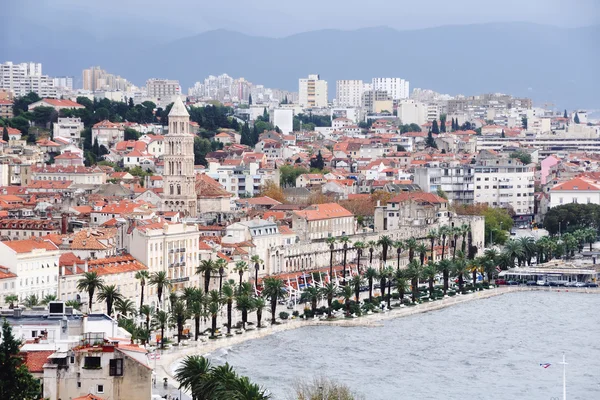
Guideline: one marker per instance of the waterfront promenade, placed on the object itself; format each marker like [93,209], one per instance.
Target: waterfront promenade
[170,357]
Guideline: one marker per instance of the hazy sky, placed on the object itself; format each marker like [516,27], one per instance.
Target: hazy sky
[174,18]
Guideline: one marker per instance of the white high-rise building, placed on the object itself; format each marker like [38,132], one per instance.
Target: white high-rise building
[349,92]
[63,82]
[20,79]
[397,88]
[312,92]
[162,88]
[179,188]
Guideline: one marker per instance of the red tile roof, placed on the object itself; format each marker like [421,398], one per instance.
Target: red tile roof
[62,103]
[35,360]
[28,245]
[577,184]
[323,211]
[418,196]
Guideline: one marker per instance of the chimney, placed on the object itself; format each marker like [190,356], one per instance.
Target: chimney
[64,225]
[62,270]
[85,266]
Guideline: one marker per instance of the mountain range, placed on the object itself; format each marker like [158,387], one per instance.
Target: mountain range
[549,64]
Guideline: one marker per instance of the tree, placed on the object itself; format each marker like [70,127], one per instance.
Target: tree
[259,305]
[443,123]
[47,299]
[162,319]
[162,282]
[370,275]
[206,268]
[445,266]
[240,268]
[565,115]
[245,304]
[430,141]
[110,294]
[131,134]
[265,116]
[401,283]
[250,100]
[434,127]
[11,299]
[524,122]
[31,301]
[355,282]
[359,246]
[202,147]
[273,190]
[257,262]
[329,291]
[289,173]
[180,314]
[142,276]
[347,293]
[429,273]
[96,148]
[90,282]
[125,307]
[385,242]
[414,272]
[16,383]
[317,162]
[246,135]
[273,289]
[522,156]
[344,240]
[502,135]
[576,119]
[5,136]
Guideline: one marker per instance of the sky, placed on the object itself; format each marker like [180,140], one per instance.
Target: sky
[276,18]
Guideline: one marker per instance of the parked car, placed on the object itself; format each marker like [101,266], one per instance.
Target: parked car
[500,282]
[579,284]
[591,284]
[531,283]
[541,283]
[512,283]
[571,284]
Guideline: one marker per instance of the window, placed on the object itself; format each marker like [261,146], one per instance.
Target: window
[33,333]
[99,388]
[116,367]
[78,384]
[92,362]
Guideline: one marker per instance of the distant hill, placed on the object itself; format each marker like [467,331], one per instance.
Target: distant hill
[548,64]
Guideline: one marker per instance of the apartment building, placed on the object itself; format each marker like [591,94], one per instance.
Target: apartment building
[16,229]
[349,92]
[76,174]
[412,112]
[97,79]
[242,179]
[581,190]
[453,177]
[69,128]
[21,79]
[170,247]
[320,221]
[312,92]
[411,209]
[397,88]
[163,88]
[6,108]
[504,182]
[34,261]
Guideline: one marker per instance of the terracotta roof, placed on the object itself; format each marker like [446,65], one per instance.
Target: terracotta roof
[106,124]
[208,187]
[323,211]
[29,224]
[35,360]
[62,103]
[577,184]
[67,155]
[28,245]
[89,397]
[82,209]
[261,201]
[5,273]
[12,131]
[47,143]
[49,184]
[96,239]
[116,265]
[418,196]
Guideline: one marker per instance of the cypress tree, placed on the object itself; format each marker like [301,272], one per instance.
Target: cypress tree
[15,380]
[250,100]
[265,115]
[502,133]
[5,134]
[565,114]
[435,128]
[430,142]
[576,119]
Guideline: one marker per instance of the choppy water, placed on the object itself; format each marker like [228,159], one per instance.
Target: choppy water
[485,349]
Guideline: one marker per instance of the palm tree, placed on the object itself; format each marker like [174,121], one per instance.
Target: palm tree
[344,240]
[180,315]
[259,306]
[356,282]
[173,298]
[242,389]
[196,308]
[162,320]
[206,268]
[454,234]
[329,291]
[443,232]
[411,245]
[429,273]
[461,269]
[382,276]
[445,266]
[11,299]
[514,250]
[273,289]
[142,276]
[311,294]
[385,242]
[73,303]
[245,304]
[529,249]
[489,267]
[389,274]
[220,265]
[370,275]
[161,281]
[90,282]
[31,301]
[125,307]
[257,261]
[110,294]
[214,306]
[228,294]
[372,244]
[432,235]
[414,272]
[505,260]
[191,375]
[188,295]
[491,254]
[401,283]
[347,293]
[591,234]
[422,250]
[48,298]
[331,242]
[475,266]
[399,245]
[240,268]
[359,246]
[146,311]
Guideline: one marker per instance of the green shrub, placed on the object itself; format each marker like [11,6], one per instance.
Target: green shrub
[336,305]
[283,315]
[296,313]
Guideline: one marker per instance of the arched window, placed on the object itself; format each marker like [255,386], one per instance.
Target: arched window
[171,189]
[179,189]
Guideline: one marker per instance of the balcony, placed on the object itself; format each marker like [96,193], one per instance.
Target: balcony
[182,249]
[171,251]
[182,264]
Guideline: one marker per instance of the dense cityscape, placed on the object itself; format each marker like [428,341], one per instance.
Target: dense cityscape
[147,229]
